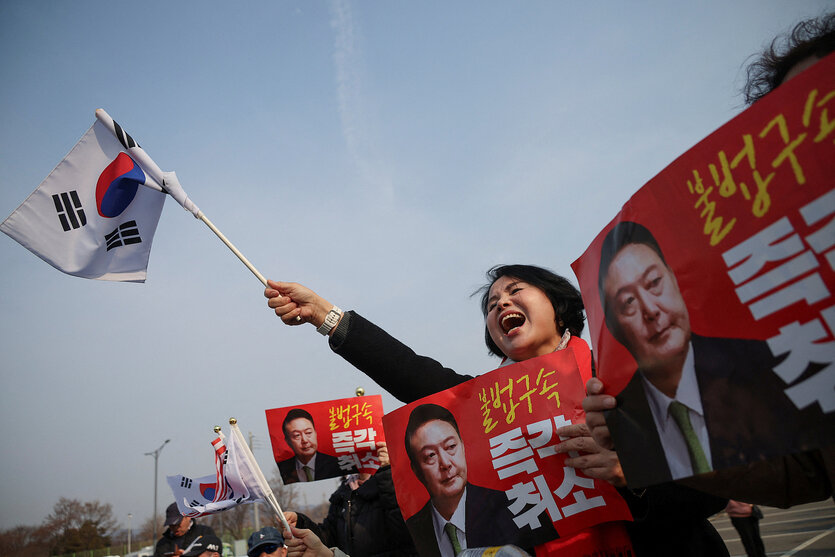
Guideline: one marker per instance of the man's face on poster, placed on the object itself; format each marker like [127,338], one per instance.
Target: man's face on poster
[645,308]
[301,436]
[440,462]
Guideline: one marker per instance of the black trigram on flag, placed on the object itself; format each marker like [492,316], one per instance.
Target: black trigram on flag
[70,212]
[185,482]
[123,235]
[123,137]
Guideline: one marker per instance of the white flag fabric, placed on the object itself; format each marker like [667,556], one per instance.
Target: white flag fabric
[247,468]
[93,216]
[209,494]
[235,482]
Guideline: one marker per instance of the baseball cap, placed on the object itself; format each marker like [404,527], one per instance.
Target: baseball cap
[264,536]
[209,542]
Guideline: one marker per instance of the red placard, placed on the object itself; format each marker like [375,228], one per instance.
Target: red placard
[518,491]
[744,221]
[342,433]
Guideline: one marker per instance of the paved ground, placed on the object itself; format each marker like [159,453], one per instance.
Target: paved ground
[802,531]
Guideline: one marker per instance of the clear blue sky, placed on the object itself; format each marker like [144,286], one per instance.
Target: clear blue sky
[383,153]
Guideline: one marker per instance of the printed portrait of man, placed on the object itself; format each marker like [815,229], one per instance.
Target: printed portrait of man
[458,514]
[307,464]
[695,403]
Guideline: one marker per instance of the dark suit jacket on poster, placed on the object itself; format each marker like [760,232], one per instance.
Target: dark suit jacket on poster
[747,414]
[487,521]
[327,466]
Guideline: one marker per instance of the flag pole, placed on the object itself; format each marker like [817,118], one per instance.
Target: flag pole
[231,246]
[173,189]
[259,475]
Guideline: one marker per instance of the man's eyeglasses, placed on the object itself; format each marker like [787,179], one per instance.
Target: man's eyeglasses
[267,549]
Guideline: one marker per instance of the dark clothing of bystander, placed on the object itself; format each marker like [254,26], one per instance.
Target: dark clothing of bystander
[365,522]
[746,519]
[167,544]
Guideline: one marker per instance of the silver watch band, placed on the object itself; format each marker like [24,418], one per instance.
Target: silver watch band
[331,319]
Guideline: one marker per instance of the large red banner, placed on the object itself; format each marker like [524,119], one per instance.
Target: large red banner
[712,288]
[321,440]
[481,455]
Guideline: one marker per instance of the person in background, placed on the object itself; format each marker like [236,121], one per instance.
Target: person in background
[205,546]
[181,533]
[788,55]
[266,542]
[363,518]
[746,519]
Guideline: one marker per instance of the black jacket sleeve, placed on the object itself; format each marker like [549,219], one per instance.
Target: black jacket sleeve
[778,482]
[389,362]
[304,521]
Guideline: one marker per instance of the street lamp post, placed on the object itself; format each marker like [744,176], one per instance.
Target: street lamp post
[129,527]
[155,454]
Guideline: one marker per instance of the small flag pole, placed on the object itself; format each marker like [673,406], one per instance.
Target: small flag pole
[234,250]
[259,475]
[174,189]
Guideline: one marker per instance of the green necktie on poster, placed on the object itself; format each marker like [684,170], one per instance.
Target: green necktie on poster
[308,472]
[698,459]
[452,534]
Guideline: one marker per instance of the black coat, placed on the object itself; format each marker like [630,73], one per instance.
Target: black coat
[365,522]
[167,543]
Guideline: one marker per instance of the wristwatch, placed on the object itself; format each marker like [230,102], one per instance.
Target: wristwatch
[331,319]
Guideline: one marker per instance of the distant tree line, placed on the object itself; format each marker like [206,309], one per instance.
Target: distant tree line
[72,526]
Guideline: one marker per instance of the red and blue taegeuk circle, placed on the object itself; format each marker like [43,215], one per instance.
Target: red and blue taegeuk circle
[117,186]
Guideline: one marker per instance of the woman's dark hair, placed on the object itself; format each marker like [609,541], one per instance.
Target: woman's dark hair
[813,37]
[565,298]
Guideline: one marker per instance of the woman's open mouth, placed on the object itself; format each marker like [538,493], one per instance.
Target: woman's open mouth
[511,321]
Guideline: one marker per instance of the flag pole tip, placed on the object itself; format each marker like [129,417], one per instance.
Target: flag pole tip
[233,421]
[217,429]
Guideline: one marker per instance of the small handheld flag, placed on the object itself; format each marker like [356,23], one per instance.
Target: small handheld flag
[238,479]
[90,218]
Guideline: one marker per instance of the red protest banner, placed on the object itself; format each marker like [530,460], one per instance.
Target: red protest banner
[327,439]
[481,456]
[714,284]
